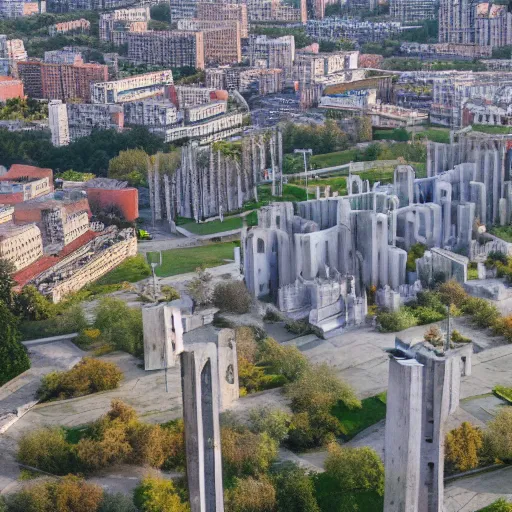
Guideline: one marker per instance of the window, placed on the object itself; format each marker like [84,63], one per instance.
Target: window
[261,246]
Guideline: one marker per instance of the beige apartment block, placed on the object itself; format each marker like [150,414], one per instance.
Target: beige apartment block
[224,12]
[202,112]
[114,26]
[276,10]
[6,214]
[21,245]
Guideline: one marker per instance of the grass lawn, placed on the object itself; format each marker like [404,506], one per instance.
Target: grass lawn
[331,499]
[435,135]
[472,271]
[503,392]
[214,226]
[354,421]
[337,184]
[421,169]
[492,129]
[503,232]
[74,434]
[180,261]
[384,175]
[333,159]
[132,270]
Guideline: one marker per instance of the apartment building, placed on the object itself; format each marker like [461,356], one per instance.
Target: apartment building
[94,5]
[221,39]
[114,26]
[277,11]
[19,8]
[184,96]
[214,11]
[309,66]
[60,81]
[132,88]
[202,112]
[412,10]
[167,48]
[71,121]
[81,26]
[457,21]
[334,28]
[21,245]
[272,53]
[12,49]
[10,88]
[246,80]
[156,114]
[63,57]
[493,25]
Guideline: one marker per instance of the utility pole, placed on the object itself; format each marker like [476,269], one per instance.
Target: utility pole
[304,153]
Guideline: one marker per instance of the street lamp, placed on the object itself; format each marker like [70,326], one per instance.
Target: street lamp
[304,153]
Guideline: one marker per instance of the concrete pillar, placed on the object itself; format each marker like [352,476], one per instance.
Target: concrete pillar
[229,390]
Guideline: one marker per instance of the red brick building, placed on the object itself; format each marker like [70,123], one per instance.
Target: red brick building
[10,88]
[60,81]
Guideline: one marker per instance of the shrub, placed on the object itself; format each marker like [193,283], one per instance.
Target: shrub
[69,494]
[88,376]
[158,495]
[251,495]
[463,446]
[48,450]
[482,312]
[32,305]
[253,378]
[503,392]
[273,422]
[319,389]
[175,445]
[503,327]
[452,292]
[310,430]
[355,469]
[150,443]
[498,506]
[232,297]
[457,337]
[295,491]
[416,251]
[246,344]
[498,435]
[299,327]
[396,320]
[287,361]
[170,293]
[434,336]
[120,326]
[200,288]
[117,503]
[246,453]
[426,315]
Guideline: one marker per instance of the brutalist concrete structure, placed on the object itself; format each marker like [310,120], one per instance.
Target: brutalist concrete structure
[423,390]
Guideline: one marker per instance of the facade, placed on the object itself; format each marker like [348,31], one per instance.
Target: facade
[412,10]
[21,245]
[224,12]
[132,88]
[20,8]
[115,26]
[63,57]
[71,121]
[60,81]
[80,26]
[246,80]
[277,11]
[457,21]
[166,48]
[10,88]
[202,112]
[221,39]
[272,53]
[156,114]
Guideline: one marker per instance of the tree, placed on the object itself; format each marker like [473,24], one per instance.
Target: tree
[155,494]
[6,282]
[273,422]
[116,503]
[295,491]
[355,469]
[463,447]
[32,305]
[246,344]
[161,12]
[252,495]
[498,435]
[283,360]
[13,355]
[131,166]
[452,292]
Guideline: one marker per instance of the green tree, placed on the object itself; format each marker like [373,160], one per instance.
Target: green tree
[498,435]
[355,469]
[131,166]
[161,12]
[158,495]
[283,360]
[295,491]
[32,305]
[251,495]
[13,355]
[117,503]
[274,422]
[498,506]
[6,281]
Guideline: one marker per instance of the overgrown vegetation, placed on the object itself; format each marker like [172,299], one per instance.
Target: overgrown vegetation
[232,297]
[23,109]
[88,376]
[320,138]
[131,270]
[503,392]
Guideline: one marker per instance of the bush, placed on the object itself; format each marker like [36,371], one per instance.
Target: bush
[498,506]
[457,337]
[175,445]
[251,495]
[416,251]
[434,336]
[69,494]
[452,292]
[355,469]
[232,297]
[498,435]
[483,313]
[32,305]
[427,315]
[310,430]
[246,453]
[463,446]
[246,344]
[396,320]
[503,327]
[155,494]
[299,327]
[295,491]
[503,392]
[48,450]
[200,288]
[88,376]
[150,444]
[116,503]
[120,326]
[273,422]
[169,293]
[287,361]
